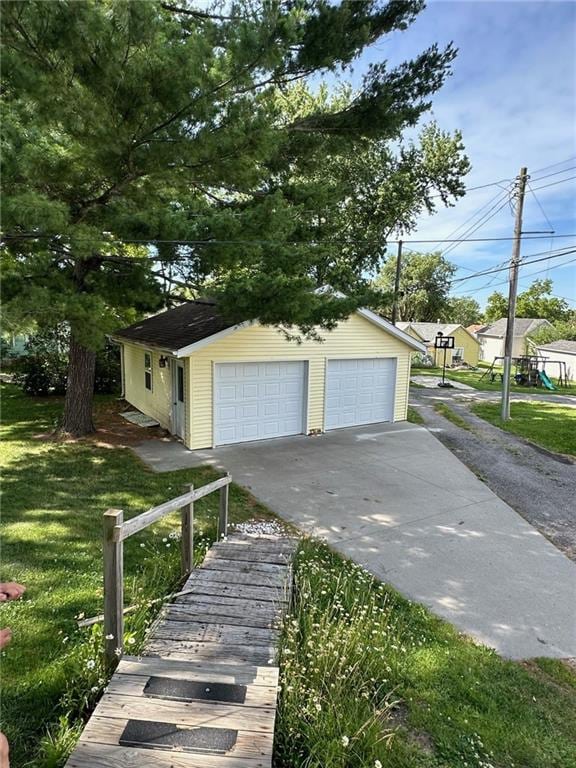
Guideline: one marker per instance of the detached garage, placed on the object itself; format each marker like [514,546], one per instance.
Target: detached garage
[213,383]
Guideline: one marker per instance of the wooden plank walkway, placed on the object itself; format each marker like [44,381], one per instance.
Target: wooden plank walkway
[204,695]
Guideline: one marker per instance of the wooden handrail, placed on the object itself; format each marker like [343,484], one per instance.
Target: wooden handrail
[116,530]
[138,523]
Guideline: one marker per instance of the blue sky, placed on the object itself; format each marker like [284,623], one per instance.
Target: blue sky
[513,96]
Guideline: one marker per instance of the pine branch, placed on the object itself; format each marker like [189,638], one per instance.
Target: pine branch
[201,15]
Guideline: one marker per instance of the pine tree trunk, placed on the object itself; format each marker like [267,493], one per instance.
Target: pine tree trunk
[77,419]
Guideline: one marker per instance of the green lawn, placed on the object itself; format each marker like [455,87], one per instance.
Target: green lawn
[414,416]
[54,497]
[547,424]
[473,379]
[452,416]
[369,678]
[358,661]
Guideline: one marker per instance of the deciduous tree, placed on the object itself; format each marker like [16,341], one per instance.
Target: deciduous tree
[464,310]
[536,301]
[424,286]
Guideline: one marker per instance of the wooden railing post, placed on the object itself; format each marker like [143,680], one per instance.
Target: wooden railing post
[187,542]
[223,517]
[113,586]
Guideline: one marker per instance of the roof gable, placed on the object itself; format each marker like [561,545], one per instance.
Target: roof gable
[429,331]
[407,327]
[523,326]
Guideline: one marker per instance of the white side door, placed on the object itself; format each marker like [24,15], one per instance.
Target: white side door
[178,399]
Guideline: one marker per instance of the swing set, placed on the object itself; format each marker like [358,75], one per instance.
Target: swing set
[531,372]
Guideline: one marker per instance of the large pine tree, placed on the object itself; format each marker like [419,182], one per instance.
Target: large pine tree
[152,145]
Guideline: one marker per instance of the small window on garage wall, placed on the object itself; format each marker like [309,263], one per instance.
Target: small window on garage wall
[148,370]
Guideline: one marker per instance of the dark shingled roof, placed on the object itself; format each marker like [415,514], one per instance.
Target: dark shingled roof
[178,327]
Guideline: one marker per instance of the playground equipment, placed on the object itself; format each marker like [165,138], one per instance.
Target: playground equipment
[531,371]
[545,380]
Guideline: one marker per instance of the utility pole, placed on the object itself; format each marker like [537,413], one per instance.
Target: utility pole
[513,289]
[397,283]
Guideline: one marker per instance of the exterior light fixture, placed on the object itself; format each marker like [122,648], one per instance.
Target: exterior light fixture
[163,361]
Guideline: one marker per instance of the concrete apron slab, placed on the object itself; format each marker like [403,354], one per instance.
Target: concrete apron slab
[398,502]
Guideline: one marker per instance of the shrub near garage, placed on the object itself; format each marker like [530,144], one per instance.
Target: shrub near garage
[43,370]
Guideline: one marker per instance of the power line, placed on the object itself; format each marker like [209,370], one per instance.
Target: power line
[471,230]
[557,173]
[485,186]
[540,206]
[524,277]
[534,195]
[555,165]
[505,181]
[523,263]
[554,183]
[183,241]
[497,197]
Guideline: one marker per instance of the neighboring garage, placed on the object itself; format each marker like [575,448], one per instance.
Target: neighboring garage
[213,383]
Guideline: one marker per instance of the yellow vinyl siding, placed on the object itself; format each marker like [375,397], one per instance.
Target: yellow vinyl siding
[461,339]
[471,346]
[156,403]
[353,338]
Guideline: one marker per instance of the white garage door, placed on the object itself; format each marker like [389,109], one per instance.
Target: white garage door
[359,392]
[256,401]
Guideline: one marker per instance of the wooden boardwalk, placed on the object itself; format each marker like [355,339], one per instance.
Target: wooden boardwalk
[204,695]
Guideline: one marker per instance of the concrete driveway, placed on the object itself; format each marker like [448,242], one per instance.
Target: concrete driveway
[394,499]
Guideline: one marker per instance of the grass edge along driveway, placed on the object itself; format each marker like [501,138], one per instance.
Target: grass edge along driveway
[550,425]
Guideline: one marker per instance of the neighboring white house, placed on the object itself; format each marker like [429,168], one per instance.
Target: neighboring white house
[562,351]
[492,337]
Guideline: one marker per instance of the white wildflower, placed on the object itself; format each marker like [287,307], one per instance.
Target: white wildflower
[345,741]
